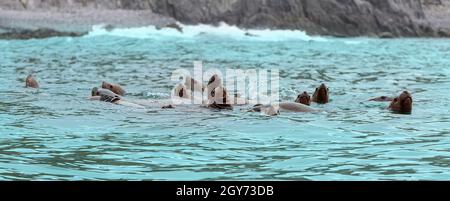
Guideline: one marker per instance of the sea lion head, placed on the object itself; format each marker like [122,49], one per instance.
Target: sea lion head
[117,89]
[182,91]
[213,83]
[321,94]
[107,95]
[304,98]
[219,95]
[219,98]
[94,92]
[214,79]
[402,104]
[31,82]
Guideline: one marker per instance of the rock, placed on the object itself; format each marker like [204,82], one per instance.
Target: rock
[325,17]
[250,34]
[172,26]
[386,35]
[37,34]
[343,18]
[109,27]
[443,33]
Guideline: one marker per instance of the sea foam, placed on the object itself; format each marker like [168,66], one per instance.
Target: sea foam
[202,30]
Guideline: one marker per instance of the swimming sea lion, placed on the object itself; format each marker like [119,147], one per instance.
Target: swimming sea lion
[213,83]
[105,95]
[304,98]
[402,104]
[108,96]
[321,95]
[275,109]
[294,107]
[182,91]
[266,109]
[117,89]
[31,82]
[219,99]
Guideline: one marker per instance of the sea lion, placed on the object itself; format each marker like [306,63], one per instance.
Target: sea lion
[275,109]
[117,89]
[109,96]
[304,98]
[382,99]
[294,107]
[402,103]
[219,99]
[105,95]
[31,82]
[269,110]
[321,95]
[213,83]
[182,91]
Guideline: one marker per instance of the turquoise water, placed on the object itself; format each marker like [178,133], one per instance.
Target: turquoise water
[55,133]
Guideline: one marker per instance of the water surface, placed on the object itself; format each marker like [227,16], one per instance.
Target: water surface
[54,133]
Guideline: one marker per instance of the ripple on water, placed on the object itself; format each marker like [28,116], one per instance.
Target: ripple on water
[56,133]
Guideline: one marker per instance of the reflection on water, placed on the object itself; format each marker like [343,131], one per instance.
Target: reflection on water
[55,133]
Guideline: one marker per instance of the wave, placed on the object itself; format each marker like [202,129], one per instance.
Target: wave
[193,31]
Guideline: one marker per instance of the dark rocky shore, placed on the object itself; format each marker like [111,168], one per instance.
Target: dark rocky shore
[24,19]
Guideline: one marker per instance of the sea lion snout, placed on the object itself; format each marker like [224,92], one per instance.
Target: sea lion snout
[406,101]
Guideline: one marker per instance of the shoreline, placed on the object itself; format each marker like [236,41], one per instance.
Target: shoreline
[17,23]
[27,24]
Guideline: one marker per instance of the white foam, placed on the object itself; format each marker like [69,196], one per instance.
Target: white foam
[192,31]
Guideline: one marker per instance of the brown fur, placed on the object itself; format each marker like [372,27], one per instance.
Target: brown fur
[117,89]
[402,104]
[304,98]
[31,82]
[219,99]
[321,95]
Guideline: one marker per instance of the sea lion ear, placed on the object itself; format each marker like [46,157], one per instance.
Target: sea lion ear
[317,89]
